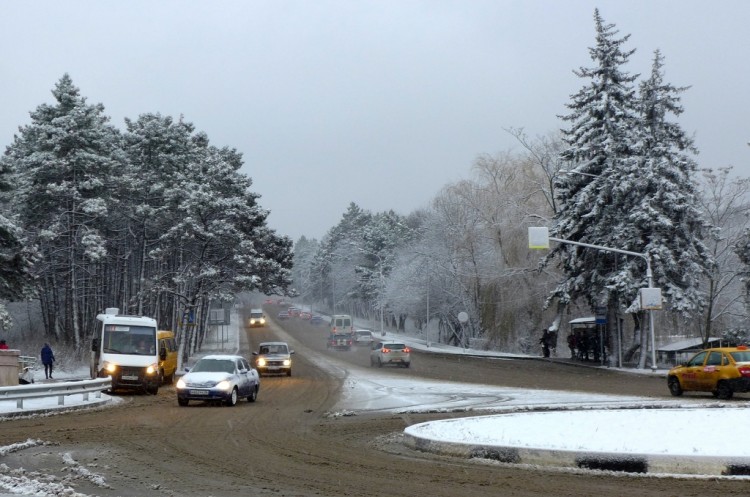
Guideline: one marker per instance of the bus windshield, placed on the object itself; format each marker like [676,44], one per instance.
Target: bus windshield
[126,339]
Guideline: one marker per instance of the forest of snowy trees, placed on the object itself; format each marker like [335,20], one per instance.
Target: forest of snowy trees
[153,220]
[621,174]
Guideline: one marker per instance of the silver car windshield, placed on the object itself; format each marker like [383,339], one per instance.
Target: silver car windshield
[213,366]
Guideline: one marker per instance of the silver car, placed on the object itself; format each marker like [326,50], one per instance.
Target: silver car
[219,378]
[273,358]
[390,353]
[363,337]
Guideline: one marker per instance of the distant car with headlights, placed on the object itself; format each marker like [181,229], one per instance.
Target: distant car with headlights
[317,320]
[257,318]
[721,371]
[223,378]
[390,353]
[273,358]
[363,337]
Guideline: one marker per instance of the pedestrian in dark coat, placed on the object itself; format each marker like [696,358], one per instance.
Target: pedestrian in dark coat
[545,342]
[47,359]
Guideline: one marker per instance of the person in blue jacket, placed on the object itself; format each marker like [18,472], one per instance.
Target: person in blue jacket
[47,359]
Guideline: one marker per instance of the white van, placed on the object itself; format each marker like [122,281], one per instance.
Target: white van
[126,348]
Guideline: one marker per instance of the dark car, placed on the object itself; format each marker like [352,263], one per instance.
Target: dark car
[219,378]
[317,320]
[283,315]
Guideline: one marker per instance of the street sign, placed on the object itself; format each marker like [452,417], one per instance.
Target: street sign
[601,314]
[538,237]
[651,299]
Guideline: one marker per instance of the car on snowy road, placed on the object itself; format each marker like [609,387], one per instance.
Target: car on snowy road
[273,358]
[390,353]
[219,377]
[721,371]
[363,337]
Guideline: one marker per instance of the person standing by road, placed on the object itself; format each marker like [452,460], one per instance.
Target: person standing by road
[545,342]
[3,345]
[47,359]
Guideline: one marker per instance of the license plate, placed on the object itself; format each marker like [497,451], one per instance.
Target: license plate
[129,377]
[272,368]
[198,392]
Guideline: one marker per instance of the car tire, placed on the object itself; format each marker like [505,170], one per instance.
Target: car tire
[289,372]
[232,399]
[407,364]
[674,386]
[380,363]
[724,391]
[153,390]
[182,402]
[253,394]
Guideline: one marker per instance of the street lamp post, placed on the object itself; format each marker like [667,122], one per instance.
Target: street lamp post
[536,240]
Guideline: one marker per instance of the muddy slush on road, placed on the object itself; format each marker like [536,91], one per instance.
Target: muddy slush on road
[290,442]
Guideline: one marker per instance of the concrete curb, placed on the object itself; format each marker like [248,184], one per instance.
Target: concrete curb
[582,459]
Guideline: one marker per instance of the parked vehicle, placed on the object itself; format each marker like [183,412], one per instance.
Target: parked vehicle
[721,371]
[273,358]
[126,348]
[390,353]
[224,378]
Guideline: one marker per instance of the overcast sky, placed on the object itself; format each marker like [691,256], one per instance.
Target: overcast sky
[377,102]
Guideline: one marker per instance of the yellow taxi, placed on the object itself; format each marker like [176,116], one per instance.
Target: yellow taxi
[721,371]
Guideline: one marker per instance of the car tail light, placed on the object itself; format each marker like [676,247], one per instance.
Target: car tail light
[385,351]
[744,371]
[407,349]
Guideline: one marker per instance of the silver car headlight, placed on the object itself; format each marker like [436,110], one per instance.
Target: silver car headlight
[180,384]
[224,385]
[287,362]
[261,362]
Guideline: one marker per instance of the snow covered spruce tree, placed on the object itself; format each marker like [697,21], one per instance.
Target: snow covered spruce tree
[219,243]
[630,188]
[158,223]
[63,161]
[15,256]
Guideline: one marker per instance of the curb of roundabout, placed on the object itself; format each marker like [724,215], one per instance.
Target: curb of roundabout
[626,462]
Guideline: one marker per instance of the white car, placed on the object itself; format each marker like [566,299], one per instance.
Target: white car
[219,378]
[363,337]
[390,353]
[273,358]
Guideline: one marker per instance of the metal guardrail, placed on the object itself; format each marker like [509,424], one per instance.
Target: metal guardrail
[60,390]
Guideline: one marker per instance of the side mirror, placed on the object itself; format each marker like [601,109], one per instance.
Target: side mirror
[255,353]
[291,352]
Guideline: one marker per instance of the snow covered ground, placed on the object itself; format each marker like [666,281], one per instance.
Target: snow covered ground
[571,421]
